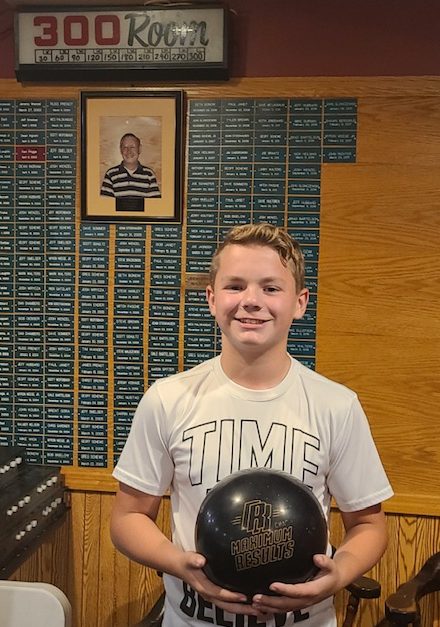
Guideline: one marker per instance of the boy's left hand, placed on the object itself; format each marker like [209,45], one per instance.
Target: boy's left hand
[291,597]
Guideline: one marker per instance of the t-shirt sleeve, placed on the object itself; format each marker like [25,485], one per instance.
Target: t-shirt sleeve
[145,463]
[357,478]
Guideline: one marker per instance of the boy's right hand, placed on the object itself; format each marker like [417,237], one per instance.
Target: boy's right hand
[190,571]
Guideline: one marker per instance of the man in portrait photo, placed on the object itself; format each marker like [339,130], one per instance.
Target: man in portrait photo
[130,181]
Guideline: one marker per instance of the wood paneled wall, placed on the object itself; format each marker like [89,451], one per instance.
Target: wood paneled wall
[107,590]
[378,332]
[378,328]
[379,297]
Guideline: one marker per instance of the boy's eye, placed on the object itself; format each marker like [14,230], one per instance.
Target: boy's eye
[271,288]
[233,287]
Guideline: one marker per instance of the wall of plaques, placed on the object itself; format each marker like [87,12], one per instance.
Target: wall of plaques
[93,313]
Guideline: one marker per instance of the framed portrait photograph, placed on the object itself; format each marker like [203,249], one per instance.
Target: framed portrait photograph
[131,156]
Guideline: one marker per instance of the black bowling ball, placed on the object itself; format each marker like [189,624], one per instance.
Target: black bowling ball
[259,526]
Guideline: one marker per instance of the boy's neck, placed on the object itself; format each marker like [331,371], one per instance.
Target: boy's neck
[255,372]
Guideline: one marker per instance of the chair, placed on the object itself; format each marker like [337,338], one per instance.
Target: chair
[362,588]
[402,607]
[37,604]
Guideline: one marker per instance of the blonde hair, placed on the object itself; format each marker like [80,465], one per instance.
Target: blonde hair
[264,234]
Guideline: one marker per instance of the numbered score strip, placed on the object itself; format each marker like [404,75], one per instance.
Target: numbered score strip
[132,38]
[119,55]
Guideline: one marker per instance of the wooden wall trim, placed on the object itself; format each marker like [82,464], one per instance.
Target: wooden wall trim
[326,86]
[89,480]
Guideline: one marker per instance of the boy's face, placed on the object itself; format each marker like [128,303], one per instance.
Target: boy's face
[254,298]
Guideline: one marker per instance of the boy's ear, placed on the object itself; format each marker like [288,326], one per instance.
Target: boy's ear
[301,304]
[210,298]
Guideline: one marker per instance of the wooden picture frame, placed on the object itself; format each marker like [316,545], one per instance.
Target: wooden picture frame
[131,156]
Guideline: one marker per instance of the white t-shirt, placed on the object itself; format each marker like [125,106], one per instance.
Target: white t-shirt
[194,428]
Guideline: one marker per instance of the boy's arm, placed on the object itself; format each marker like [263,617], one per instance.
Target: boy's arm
[363,545]
[134,532]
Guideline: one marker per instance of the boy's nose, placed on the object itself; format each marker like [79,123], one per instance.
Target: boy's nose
[250,298]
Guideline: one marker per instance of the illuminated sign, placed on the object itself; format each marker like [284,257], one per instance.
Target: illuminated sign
[153,43]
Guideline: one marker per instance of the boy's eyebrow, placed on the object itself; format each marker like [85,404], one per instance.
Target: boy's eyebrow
[268,279]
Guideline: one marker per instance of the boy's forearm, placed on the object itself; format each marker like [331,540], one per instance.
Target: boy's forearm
[138,537]
[361,549]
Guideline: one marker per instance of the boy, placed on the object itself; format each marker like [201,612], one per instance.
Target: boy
[252,406]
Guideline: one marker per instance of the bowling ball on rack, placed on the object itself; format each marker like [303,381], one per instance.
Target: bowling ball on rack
[259,526]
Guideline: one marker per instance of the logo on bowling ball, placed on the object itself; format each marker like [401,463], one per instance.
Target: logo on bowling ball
[259,526]
[263,544]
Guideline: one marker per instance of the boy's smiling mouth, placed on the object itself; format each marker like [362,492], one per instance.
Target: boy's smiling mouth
[250,321]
